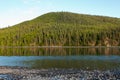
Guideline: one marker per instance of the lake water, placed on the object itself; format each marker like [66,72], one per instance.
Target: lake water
[81,58]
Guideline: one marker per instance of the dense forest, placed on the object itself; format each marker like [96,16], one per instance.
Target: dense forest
[63,29]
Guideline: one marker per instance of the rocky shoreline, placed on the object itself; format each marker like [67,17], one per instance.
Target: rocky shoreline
[21,73]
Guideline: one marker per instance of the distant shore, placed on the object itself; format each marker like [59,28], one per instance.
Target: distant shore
[21,73]
[59,47]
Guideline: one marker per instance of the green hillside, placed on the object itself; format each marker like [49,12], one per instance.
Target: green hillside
[63,29]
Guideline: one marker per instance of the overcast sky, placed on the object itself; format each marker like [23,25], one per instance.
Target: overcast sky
[15,11]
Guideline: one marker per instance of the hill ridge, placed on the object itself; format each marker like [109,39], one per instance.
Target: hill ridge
[63,29]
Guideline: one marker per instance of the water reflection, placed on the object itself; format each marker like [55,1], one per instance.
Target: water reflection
[80,62]
[82,58]
[58,51]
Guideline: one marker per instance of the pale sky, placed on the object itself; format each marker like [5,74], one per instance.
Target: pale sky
[15,11]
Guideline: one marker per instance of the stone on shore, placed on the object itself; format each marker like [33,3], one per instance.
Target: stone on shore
[19,73]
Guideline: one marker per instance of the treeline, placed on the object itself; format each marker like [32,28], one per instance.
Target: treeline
[63,29]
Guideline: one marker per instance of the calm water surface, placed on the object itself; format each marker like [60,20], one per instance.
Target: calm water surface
[81,58]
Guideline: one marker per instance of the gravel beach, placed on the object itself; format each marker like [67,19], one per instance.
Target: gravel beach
[20,73]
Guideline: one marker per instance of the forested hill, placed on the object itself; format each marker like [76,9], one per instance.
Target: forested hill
[63,29]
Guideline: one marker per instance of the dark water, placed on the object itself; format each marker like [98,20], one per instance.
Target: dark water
[81,58]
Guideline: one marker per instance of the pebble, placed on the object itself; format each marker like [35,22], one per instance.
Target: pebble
[60,74]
